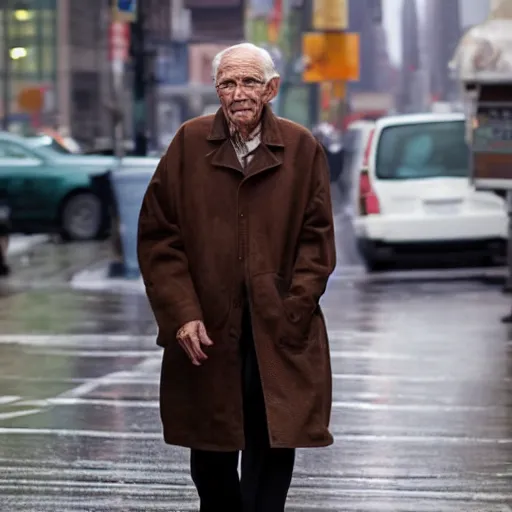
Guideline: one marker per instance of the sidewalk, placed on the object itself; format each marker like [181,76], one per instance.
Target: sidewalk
[20,244]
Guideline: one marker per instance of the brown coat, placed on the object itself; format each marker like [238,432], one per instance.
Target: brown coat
[204,230]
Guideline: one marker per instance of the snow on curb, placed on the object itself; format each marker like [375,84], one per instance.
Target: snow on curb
[97,279]
[19,244]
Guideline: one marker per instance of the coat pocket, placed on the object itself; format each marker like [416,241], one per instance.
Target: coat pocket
[295,326]
[286,322]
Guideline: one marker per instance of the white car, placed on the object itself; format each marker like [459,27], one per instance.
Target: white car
[412,193]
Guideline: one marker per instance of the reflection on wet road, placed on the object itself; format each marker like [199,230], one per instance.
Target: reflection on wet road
[422,411]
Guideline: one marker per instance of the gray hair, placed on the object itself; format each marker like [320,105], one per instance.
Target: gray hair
[269,68]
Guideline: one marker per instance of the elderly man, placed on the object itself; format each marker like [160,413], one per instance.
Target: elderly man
[236,244]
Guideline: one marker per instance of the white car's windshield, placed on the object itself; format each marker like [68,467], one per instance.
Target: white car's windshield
[423,150]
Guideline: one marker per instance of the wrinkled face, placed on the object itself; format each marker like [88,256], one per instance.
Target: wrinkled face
[242,88]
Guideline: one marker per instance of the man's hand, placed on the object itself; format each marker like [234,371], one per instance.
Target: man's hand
[191,336]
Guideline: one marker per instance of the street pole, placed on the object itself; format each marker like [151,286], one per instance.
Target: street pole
[7,66]
[139,84]
[118,83]
[119,32]
[314,88]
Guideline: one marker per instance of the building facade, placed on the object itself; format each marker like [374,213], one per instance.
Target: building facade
[372,94]
[364,19]
[61,47]
[28,59]
[443,33]
[410,99]
[86,98]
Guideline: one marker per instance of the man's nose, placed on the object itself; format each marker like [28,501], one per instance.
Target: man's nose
[239,92]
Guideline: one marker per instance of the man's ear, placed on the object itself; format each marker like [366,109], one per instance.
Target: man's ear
[271,89]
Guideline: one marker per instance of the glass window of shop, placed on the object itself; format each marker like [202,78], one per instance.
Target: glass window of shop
[29,35]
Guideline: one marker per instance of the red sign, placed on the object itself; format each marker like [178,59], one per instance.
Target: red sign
[119,41]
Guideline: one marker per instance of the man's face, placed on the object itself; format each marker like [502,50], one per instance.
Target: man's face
[242,88]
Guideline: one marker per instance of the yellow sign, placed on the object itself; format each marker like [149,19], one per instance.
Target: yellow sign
[272,33]
[330,57]
[330,14]
[339,90]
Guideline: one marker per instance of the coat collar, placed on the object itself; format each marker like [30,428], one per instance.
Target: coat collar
[270,133]
[264,157]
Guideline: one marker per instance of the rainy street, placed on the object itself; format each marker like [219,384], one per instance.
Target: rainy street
[422,406]
[206,132]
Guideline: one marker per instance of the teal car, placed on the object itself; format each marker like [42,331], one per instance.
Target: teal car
[51,192]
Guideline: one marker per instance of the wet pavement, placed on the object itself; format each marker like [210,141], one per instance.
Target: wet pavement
[422,412]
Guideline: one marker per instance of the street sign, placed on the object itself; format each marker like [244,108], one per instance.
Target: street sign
[330,57]
[119,41]
[330,14]
[125,10]
[31,99]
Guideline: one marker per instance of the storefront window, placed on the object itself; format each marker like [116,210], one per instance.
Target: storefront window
[47,61]
[24,60]
[31,40]
[32,43]
[48,24]
[23,29]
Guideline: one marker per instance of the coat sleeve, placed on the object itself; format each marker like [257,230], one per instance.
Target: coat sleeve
[316,252]
[160,248]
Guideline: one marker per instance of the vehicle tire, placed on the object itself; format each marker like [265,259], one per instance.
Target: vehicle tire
[82,217]
[492,259]
[374,264]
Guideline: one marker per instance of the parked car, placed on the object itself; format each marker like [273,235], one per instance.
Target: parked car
[4,232]
[48,142]
[53,139]
[355,141]
[109,161]
[48,192]
[412,193]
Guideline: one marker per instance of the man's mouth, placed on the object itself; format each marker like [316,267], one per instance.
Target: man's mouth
[237,109]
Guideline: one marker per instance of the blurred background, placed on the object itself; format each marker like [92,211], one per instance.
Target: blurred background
[91,94]
[58,61]
[92,90]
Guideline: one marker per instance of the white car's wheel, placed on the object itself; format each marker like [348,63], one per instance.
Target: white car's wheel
[373,265]
[370,258]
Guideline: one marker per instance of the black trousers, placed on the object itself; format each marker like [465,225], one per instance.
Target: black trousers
[266,472]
